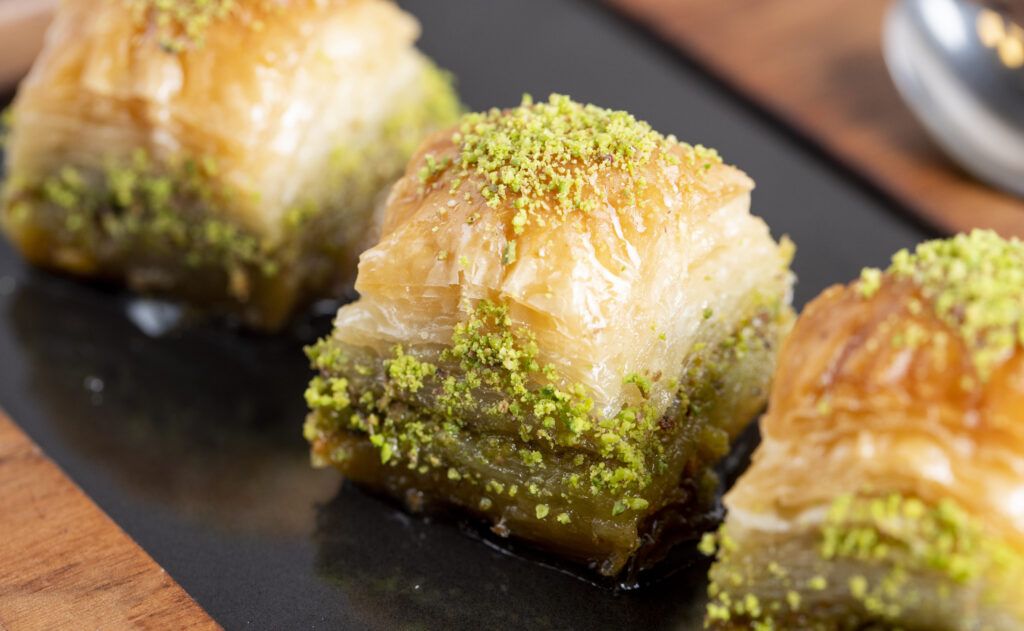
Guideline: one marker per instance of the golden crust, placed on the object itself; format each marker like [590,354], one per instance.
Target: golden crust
[434,230]
[565,305]
[878,393]
[250,91]
[581,281]
[232,152]
[696,186]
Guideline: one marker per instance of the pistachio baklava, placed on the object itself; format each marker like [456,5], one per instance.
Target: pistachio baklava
[566,321]
[228,152]
[888,491]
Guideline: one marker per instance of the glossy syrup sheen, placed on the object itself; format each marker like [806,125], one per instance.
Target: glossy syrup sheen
[191,440]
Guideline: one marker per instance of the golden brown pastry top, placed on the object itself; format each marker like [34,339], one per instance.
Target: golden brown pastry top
[908,381]
[505,191]
[617,247]
[209,60]
[535,166]
[251,87]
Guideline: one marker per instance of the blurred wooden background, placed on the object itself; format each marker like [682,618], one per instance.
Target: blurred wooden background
[818,67]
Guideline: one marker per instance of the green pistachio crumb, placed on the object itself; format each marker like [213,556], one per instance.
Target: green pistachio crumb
[870,281]
[550,150]
[858,587]
[708,544]
[489,352]
[330,392]
[793,600]
[508,256]
[718,612]
[386,451]
[975,283]
[542,511]
[531,458]
[183,23]
[642,382]
[406,372]
[942,538]
[752,605]
[638,503]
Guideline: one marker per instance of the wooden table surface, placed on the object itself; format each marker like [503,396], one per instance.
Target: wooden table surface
[818,67]
[66,565]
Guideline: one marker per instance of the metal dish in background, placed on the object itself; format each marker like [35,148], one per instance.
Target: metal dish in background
[960,68]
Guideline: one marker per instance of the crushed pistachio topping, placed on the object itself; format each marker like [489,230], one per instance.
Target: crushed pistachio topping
[407,372]
[183,23]
[178,208]
[975,284]
[904,530]
[328,393]
[708,544]
[508,256]
[901,535]
[139,202]
[545,157]
[421,405]
[642,382]
[870,281]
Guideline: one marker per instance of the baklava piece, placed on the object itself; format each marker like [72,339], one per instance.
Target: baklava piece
[228,152]
[889,489]
[568,318]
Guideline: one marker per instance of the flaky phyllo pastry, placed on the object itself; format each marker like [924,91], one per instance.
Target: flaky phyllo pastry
[889,489]
[566,320]
[228,151]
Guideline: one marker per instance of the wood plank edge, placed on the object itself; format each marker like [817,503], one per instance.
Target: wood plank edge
[65,564]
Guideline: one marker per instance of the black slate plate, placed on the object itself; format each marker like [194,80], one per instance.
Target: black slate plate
[191,440]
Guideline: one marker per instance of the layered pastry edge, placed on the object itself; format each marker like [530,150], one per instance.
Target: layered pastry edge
[886,491]
[113,172]
[453,394]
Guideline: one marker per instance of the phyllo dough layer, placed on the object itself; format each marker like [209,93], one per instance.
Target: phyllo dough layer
[567,319]
[228,152]
[889,487]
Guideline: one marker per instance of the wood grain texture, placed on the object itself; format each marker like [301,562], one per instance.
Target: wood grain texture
[818,66]
[65,565]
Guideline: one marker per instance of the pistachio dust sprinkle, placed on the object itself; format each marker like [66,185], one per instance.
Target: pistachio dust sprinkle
[892,537]
[546,157]
[975,283]
[183,23]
